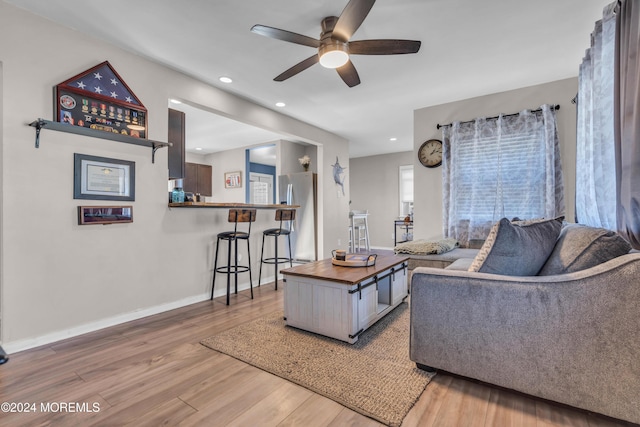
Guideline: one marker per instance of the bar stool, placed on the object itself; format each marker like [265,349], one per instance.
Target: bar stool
[358,226]
[232,237]
[281,215]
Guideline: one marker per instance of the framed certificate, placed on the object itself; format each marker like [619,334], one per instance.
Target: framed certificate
[101,178]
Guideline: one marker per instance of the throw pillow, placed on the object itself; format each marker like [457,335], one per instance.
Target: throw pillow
[580,247]
[517,249]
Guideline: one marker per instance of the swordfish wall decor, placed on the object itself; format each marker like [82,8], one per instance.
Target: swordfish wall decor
[338,174]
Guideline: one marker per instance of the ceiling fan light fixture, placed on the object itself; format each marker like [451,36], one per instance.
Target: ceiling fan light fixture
[333,54]
[335,45]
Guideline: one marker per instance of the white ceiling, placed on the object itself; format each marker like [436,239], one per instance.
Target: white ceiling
[207,132]
[469,48]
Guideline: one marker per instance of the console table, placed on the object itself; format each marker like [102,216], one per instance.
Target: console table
[342,302]
[403,225]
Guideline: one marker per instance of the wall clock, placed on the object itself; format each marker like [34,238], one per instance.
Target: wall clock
[430,153]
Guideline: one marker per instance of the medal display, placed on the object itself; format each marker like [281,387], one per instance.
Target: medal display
[99,99]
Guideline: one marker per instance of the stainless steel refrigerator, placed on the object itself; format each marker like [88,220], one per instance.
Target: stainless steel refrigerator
[302,189]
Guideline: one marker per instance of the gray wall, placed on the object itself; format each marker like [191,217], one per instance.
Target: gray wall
[374,180]
[374,187]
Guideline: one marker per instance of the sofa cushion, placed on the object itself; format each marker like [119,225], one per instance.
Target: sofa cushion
[580,247]
[517,249]
[441,260]
[461,264]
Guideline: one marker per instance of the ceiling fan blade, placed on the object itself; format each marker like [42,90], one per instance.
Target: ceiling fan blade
[351,18]
[288,36]
[299,67]
[383,47]
[349,74]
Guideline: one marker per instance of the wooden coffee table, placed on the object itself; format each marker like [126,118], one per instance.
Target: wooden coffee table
[342,302]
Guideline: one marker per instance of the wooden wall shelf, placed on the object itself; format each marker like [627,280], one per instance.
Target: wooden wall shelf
[78,130]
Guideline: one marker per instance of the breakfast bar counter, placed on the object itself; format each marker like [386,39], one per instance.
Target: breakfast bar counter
[194,227]
[229,205]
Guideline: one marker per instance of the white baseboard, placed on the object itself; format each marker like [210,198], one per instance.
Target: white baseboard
[26,344]
[381,248]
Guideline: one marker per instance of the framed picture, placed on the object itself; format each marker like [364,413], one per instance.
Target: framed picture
[104,214]
[233,179]
[101,178]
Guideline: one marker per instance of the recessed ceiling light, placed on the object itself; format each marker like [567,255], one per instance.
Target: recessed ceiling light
[280,104]
[175,101]
[198,148]
[225,79]
[393,139]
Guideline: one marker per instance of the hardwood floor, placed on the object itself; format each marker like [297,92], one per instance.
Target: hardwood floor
[154,372]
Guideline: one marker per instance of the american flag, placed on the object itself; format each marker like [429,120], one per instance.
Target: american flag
[103,81]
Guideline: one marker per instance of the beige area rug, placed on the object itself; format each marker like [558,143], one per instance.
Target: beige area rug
[374,376]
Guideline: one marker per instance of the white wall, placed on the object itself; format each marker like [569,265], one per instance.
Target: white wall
[288,154]
[380,173]
[1,192]
[428,182]
[221,163]
[60,279]
[374,187]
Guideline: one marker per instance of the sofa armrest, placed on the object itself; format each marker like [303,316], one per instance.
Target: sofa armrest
[572,338]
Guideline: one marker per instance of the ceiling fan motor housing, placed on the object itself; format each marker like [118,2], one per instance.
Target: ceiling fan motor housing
[333,53]
[335,45]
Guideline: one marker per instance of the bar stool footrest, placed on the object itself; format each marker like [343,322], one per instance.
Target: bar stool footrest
[273,260]
[232,269]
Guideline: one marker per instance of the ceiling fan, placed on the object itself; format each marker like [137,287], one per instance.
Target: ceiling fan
[334,45]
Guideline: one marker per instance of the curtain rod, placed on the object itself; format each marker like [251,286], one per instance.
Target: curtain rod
[553,107]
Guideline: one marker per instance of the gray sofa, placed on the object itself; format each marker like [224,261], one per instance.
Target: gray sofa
[571,336]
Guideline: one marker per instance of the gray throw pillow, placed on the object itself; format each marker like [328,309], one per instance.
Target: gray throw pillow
[580,247]
[517,249]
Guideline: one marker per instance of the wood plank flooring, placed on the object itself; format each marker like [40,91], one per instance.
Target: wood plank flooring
[154,372]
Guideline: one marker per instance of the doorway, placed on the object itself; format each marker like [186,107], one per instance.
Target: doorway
[261,191]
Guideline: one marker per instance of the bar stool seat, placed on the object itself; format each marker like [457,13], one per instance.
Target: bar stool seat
[231,237]
[282,215]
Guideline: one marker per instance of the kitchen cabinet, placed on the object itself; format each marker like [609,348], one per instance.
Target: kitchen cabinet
[197,179]
[177,139]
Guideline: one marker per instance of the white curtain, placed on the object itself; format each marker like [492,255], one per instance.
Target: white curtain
[627,120]
[507,166]
[595,151]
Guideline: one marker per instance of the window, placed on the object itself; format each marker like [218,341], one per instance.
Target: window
[260,188]
[406,190]
[507,166]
